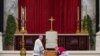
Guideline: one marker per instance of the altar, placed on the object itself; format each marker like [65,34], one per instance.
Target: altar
[50,52]
[69,41]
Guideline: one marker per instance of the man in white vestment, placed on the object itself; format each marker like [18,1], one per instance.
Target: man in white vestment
[38,47]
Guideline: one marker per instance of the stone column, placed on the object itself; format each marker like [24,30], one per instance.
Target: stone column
[98,34]
[89,7]
[98,41]
[1,45]
[10,8]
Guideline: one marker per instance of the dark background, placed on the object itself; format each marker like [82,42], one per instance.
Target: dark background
[97,15]
[1,15]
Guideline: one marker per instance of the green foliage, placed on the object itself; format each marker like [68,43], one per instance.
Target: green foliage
[88,22]
[10,30]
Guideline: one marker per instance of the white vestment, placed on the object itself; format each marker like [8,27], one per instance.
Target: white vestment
[65,53]
[38,48]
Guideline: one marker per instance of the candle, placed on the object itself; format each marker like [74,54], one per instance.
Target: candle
[77,31]
[78,13]
[22,11]
[22,17]
[25,13]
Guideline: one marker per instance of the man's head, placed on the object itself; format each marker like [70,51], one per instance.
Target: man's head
[40,37]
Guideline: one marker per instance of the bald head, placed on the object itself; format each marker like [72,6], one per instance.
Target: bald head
[40,37]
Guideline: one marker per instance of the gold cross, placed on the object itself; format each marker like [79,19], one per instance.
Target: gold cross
[51,20]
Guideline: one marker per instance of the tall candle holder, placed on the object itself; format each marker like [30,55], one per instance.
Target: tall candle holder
[23,31]
[23,20]
[78,21]
[23,50]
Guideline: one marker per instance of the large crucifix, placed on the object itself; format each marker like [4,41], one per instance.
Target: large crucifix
[51,22]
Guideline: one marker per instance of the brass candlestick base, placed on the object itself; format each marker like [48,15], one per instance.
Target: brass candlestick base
[23,52]
[82,31]
[23,30]
[17,31]
[86,31]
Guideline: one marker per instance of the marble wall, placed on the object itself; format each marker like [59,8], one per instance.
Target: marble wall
[10,7]
[89,7]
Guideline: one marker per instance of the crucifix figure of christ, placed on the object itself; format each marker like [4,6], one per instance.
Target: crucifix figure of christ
[51,23]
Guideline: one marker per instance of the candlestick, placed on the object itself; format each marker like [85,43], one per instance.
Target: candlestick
[78,13]
[23,20]
[22,17]
[23,50]
[77,31]
[25,13]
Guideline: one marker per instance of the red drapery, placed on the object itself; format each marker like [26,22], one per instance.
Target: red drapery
[38,13]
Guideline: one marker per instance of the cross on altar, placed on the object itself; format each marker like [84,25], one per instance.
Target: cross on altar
[51,20]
